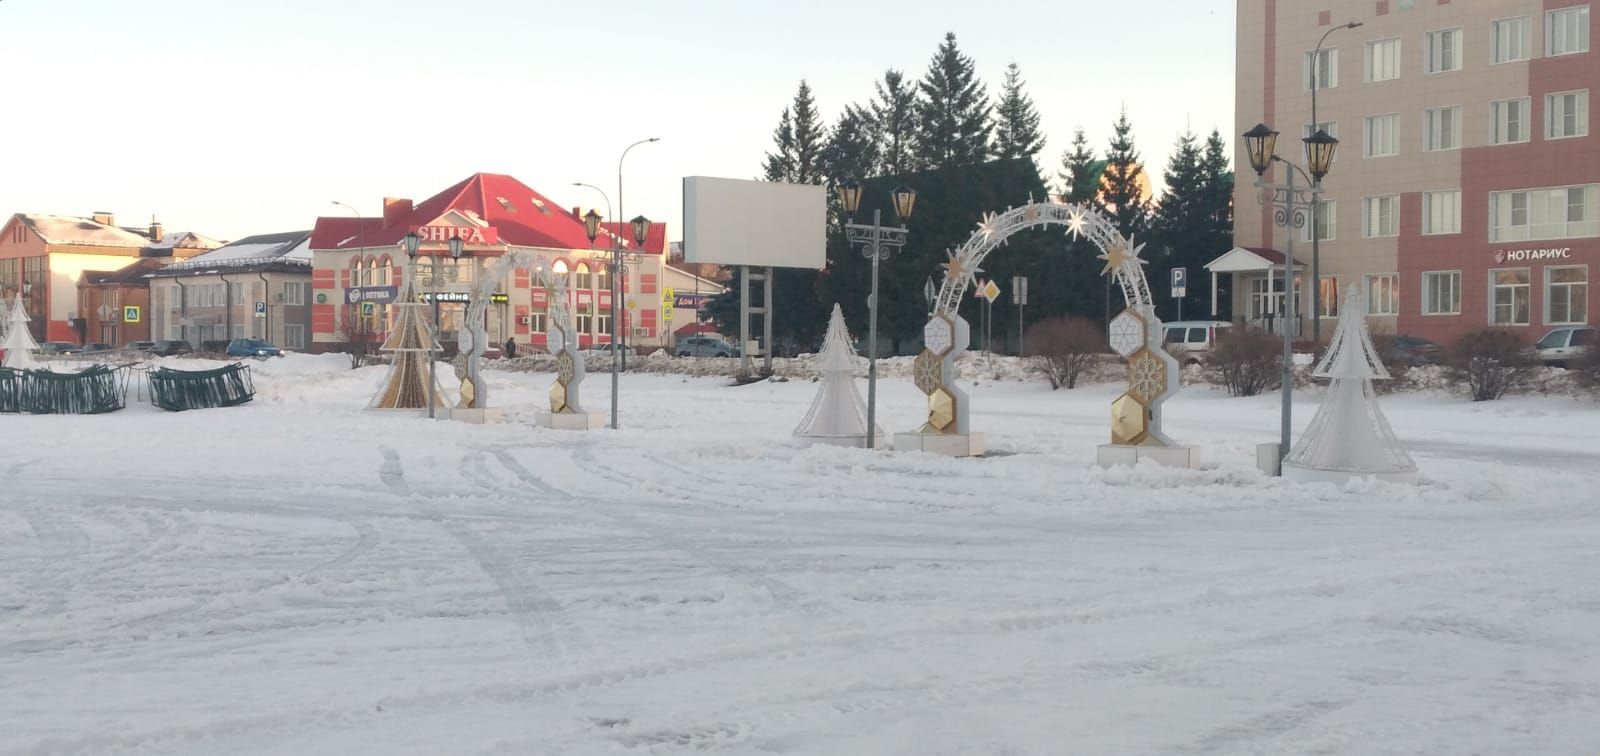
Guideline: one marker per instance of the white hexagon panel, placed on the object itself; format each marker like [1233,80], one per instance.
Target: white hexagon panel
[1127,333]
[938,335]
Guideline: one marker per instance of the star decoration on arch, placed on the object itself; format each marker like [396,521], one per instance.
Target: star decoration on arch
[989,225]
[957,272]
[1117,258]
[1075,222]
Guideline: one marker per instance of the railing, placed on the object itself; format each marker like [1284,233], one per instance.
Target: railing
[1275,325]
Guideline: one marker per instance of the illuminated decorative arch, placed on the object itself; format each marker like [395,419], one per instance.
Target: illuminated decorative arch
[1135,333]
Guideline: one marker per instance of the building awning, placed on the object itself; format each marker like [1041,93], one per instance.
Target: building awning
[1249,260]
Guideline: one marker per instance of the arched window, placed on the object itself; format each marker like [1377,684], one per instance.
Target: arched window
[602,278]
[355,271]
[583,279]
[385,273]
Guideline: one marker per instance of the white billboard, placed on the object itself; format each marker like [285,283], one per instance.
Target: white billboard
[756,223]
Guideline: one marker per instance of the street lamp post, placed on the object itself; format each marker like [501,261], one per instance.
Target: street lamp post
[615,344]
[876,243]
[1316,220]
[1289,204]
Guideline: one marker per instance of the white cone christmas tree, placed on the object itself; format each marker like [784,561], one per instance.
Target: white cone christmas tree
[19,344]
[411,341]
[1349,436]
[838,415]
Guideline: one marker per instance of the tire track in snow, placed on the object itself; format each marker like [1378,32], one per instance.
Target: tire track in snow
[537,614]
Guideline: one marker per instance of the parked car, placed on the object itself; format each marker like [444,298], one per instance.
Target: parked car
[1564,345]
[140,346]
[1192,340]
[60,348]
[706,346]
[171,348]
[252,348]
[97,347]
[605,350]
[1412,350]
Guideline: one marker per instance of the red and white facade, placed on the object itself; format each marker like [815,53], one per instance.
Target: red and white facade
[1466,191]
[358,264]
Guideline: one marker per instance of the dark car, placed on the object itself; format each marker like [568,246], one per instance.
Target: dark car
[140,346]
[252,348]
[1415,351]
[59,347]
[171,348]
[97,347]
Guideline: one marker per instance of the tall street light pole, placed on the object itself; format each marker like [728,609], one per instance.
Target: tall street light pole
[361,241]
[616,346]
[1288,205]
[1316,215]
[876,243]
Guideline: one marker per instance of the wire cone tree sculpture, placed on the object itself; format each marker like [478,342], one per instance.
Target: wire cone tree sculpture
[18,344]
[412,344]
[1349,436]
[838,415]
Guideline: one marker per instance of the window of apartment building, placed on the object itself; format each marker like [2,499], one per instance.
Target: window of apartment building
[1566,31]
[1566,114]
[1509,39]
[1510,119]
[602,279]
[583,322]
[1322,69]
[1325,220]
[1383,59]
[1509,292]
[1441,212]
[1441,293]
[1382,298]
[236,293]
[581,278]
[1381,216]
[295,293]
[1555,213]
[538,321]
[1441,128]
[1566,295]
[1444,51]
[294,336]
[603,321]
[1328,296]
[1383,135]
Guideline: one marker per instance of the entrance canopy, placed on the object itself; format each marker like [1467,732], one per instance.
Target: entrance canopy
[1249,260]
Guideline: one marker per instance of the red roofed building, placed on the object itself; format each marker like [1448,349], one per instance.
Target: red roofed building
[358,265]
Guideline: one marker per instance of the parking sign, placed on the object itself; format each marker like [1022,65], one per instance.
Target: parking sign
[1180,283]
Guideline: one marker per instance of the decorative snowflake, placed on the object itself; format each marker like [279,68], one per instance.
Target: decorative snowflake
[928,372]
[565,369]
[1147,377]
[957,272]
[989,226]
[1075,221]
[1127,333]
[938,335]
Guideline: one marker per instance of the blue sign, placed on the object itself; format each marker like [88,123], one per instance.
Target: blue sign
[1180,283]
[261,309]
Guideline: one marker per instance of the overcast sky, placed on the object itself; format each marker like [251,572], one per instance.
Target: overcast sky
[233,118]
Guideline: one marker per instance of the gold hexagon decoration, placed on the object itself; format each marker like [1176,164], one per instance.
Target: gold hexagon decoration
[941,411]
[558,397]
[1147,376]
[1130,421]
[928,372]
[565,369]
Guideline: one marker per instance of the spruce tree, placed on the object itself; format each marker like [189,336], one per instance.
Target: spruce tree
[1078,173]
[1182,215]
[953,115]
[1121,187]
[894,112]
[799,138]
[1016,132]
[852,151]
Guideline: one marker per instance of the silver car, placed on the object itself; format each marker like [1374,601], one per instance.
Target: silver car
[1564,345]
[706,346]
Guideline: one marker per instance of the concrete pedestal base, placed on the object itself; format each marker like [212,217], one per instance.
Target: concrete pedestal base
[854,441]
[1340,477]
[947,444]
[1112,455]
[475,416]
[1269,458]
[570,421]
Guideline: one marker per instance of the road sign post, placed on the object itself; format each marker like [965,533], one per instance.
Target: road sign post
[1019,295]
[1180,287]
[990,291]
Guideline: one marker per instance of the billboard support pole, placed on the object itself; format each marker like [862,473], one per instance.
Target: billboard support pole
[744,321]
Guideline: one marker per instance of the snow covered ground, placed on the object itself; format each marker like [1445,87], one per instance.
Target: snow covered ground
[300,576]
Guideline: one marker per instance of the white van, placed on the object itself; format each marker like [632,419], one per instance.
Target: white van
[1191,340]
